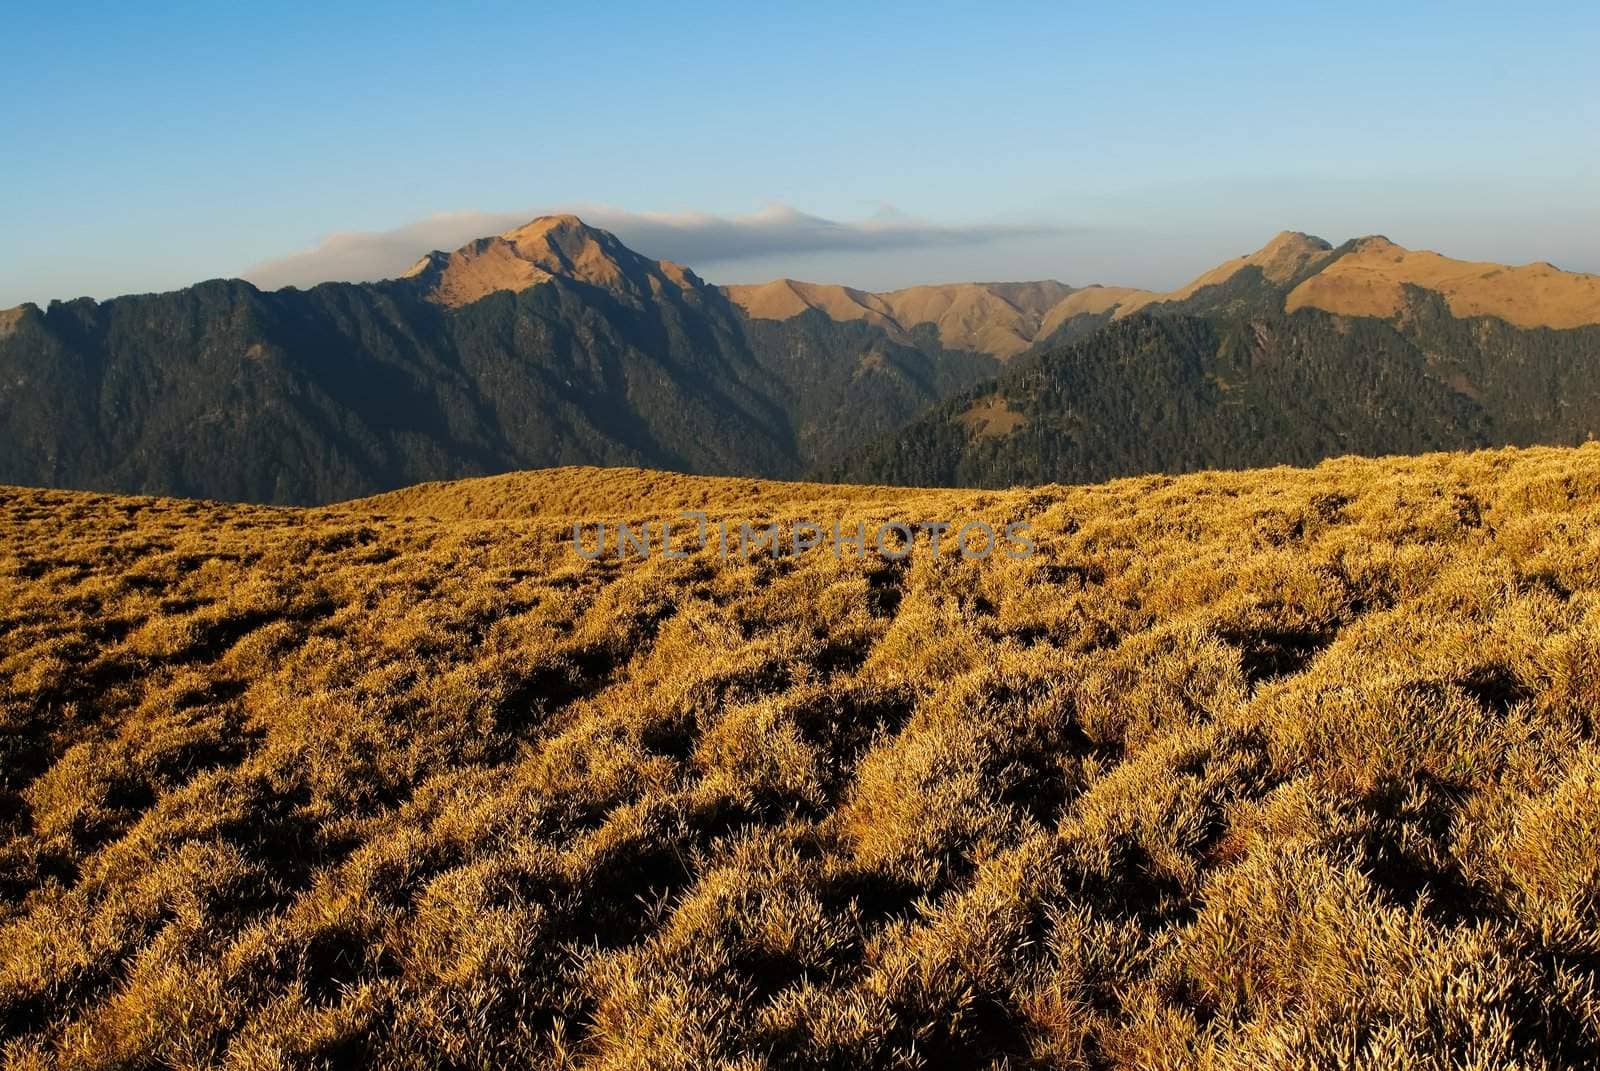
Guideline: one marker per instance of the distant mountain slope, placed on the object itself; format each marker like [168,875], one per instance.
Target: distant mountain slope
[1290,256]
[1363,277]
[223,391]
[1006,319]
[1240,368]
[998,319]
[1371,276]
[553,344]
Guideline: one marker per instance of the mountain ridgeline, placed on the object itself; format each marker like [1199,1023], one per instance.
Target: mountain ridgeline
[555,344]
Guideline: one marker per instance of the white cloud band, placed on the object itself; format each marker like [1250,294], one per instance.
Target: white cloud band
[697,239]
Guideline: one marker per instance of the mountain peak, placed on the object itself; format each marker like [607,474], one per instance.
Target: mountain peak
[1289,254]
[545,248]
[554,221]
[564,228]
[1295,241]
[1376,243]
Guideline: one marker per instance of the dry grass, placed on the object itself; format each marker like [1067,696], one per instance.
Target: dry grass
[1371,281]
[633,495]
[1274,769]
[992,418]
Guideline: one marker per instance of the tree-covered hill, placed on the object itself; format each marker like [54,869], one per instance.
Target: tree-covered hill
[1226,380]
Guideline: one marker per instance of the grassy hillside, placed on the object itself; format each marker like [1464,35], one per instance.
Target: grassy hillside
[594,494]
[1240,770]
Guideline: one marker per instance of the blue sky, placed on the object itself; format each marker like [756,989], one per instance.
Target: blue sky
[1113,143]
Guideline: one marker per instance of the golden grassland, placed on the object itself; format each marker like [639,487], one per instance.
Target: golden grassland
[1244,770]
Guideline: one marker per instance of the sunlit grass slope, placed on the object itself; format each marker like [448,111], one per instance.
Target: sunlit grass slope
[595,494]
[1245,770]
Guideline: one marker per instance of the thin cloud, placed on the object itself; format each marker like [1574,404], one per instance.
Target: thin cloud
[698,239]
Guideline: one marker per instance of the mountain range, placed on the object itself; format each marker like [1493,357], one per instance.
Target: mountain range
[553,343]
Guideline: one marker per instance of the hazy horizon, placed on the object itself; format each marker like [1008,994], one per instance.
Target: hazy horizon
[1135,148]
